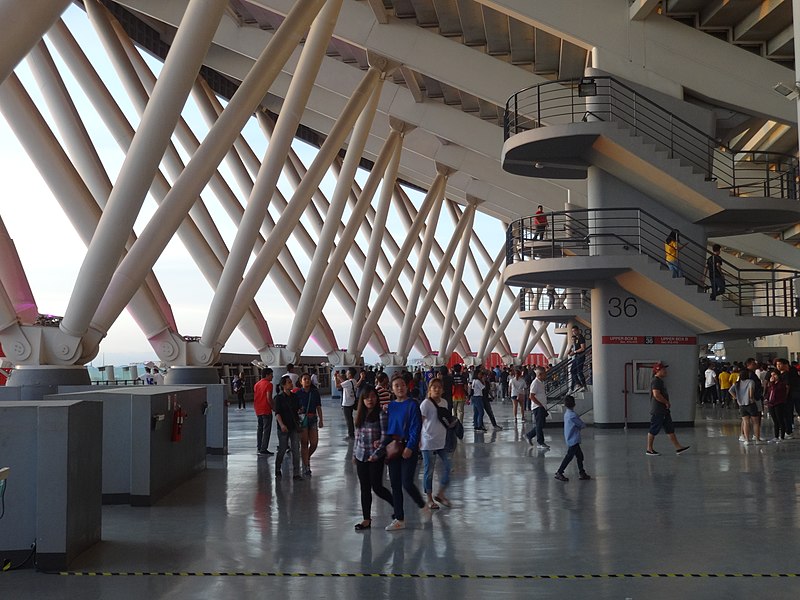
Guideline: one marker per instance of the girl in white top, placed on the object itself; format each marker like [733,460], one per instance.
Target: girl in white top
[432,444]
[518,387]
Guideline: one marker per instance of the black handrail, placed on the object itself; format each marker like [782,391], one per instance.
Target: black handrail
[610,231]
[551,298]
[557,383]
[602,98]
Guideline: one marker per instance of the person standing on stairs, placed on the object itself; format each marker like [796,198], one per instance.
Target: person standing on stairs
[578,353]
[713,271]
[672,247]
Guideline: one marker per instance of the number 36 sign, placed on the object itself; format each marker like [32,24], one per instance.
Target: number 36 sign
[619,307]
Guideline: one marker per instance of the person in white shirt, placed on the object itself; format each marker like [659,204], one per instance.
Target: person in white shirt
[710,389]
[432,444]
[517,387]
[292,375]
[538,395]
[349,402]
[477,391]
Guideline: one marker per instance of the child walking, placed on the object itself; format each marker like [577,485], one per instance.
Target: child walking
[572,434]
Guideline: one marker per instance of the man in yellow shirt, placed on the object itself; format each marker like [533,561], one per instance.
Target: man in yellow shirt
[724,379]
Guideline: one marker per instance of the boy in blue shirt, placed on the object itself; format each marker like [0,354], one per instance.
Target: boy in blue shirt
[572,434]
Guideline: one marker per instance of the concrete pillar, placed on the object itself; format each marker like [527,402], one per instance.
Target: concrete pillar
[641,333]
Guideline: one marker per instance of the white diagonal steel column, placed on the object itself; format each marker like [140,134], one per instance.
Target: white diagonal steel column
[205,161]
[398,297]
[14,280]
[180,68]
[344,183]
[84,155]
[285,128]
[342,250]
[67,186]
[498,333]
[405,209]
[370,264]
[487,281]
[423,261]
[457,283]
[526,336]
[464,224]
[302,196]
[24,24]
[490,318]
[253,326]
[431,198]
[535,339]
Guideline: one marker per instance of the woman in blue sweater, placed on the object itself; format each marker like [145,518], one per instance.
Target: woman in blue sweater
[404,425]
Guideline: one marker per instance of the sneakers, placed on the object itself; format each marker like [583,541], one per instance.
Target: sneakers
[541,446]
[742,439]
[681,450]
[652,453]
[530,440]
[584,476]
[497,427]
[788,436]
[396,525]
[774,441]
[561,477]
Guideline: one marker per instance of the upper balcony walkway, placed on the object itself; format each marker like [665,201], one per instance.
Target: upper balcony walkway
[559,129]
[586,246]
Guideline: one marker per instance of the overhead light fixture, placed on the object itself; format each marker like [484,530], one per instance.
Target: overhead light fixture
[790,92]
[587,87]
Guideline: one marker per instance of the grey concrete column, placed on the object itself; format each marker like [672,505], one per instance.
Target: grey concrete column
[618,341]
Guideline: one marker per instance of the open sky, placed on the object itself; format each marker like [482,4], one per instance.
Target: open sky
[52,253]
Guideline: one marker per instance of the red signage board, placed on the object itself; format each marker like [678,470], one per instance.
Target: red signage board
[669,340]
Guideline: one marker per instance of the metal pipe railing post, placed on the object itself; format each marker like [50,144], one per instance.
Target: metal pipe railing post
[538,107]
[516,113]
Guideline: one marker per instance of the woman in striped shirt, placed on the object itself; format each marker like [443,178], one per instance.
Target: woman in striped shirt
[371,423]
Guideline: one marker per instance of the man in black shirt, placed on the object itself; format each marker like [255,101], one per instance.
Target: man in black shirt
[716,278]
[578,354]
[660,415]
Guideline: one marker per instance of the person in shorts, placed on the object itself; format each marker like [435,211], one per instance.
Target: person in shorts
[744,391]
[660,416]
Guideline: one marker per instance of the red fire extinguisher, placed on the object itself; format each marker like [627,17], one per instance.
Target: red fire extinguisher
[178,417]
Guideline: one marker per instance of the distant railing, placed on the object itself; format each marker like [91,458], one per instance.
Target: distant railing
[741,173]
[755,292]
[557,383]
[551,298]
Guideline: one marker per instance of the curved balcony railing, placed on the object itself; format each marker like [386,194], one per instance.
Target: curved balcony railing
[551,298]
[616,231]
[741,173]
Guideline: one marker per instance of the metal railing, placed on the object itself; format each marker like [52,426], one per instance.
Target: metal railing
[551,298]
[620,231]
[557,382]
[741,173]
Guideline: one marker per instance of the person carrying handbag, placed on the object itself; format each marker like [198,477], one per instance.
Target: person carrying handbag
[434,444]
[403,430]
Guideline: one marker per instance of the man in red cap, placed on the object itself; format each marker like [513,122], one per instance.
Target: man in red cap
[659,412]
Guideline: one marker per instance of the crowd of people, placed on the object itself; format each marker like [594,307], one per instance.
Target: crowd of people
[394,423]
[757,390]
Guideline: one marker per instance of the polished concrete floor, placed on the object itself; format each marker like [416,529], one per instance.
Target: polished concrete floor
[692,526]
